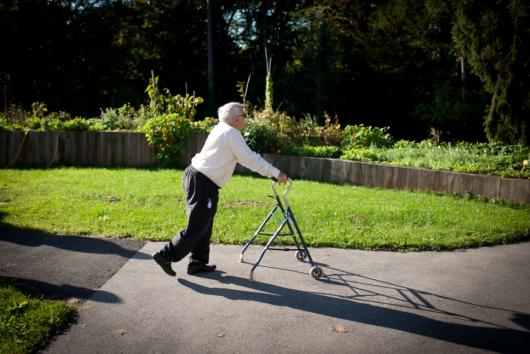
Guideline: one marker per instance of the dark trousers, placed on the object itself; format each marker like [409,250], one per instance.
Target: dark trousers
[202,196]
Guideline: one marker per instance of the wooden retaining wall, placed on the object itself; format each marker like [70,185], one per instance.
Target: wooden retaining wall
[42,149]
[399,177]
[131,149]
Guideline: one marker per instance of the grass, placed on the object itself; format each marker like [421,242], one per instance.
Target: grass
[148,205]
[27,323]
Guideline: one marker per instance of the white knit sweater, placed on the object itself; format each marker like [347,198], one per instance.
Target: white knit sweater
[225,147]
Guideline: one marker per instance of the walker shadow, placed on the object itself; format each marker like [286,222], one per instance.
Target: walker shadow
[340,277]
[356,309]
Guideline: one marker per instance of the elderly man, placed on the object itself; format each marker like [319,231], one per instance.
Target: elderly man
[210,170]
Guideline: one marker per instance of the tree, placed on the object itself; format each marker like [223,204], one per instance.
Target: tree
[379,62]
[211,83]
[35,50]
[494,37]
[374,62]
[252,26]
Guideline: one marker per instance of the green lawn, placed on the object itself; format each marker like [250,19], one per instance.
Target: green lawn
[148,205]
[27,323]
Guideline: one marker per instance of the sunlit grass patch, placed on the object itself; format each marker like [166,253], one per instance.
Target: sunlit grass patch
[149,205]
[27,323]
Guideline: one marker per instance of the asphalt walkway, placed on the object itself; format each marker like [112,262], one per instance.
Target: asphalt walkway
[471,301]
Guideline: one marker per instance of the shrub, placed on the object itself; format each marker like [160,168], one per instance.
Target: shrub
[364,154]
[162,102]
[312,151]
[54,124]
[496,159]
[6,125]
[15,114]
[314,134]
[40,121]
[260,137]
[38,109]
[124,118]
[168,133]
[186,105]
[361,136]
[206,125]
[280,123]
[81,124]
[64,116]
[290,131]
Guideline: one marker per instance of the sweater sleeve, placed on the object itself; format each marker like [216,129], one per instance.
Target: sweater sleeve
[249,158]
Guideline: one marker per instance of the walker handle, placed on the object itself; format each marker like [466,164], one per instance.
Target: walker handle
[289,185]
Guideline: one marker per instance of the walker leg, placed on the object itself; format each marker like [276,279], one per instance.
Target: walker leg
[273,237]
[302,241]
[249,242]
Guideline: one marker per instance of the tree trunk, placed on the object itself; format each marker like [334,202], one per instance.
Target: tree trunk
[211,87]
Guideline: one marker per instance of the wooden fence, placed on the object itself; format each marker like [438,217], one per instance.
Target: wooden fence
[42,149]
[131,149]
[399,177]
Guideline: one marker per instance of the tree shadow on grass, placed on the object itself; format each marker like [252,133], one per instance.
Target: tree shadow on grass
[472,332]
[50,291]
[86,244]
[126,248]
[62,267]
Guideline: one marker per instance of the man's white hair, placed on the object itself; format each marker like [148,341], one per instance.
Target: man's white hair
[230,111]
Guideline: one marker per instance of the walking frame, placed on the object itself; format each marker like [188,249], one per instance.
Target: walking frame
[286,218]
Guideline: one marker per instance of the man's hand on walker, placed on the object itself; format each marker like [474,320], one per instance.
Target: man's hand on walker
[282,178]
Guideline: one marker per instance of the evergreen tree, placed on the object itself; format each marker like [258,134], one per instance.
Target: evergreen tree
[494,37]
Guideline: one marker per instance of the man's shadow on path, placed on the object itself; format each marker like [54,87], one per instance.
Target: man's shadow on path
[354,308]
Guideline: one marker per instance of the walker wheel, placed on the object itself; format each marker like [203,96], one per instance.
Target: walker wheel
[301,256]
[316,272]
[241,259]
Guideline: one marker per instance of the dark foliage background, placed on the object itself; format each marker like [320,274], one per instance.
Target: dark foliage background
[455,68]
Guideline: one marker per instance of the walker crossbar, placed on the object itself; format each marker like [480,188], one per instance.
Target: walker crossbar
[286,218]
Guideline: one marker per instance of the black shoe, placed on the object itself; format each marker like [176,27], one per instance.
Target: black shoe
[164,263]
[196,267]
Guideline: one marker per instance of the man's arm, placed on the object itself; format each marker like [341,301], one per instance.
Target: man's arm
[251,159]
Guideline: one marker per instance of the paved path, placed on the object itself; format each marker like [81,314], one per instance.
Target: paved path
[62,267]
[369,302]
[470,301]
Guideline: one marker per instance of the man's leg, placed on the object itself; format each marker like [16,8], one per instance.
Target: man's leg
[188,238]
[200,255]
[199,220]
[201,252]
